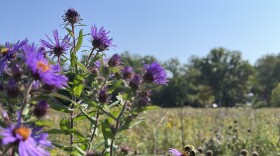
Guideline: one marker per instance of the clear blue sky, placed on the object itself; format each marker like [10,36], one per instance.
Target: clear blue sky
[162,28]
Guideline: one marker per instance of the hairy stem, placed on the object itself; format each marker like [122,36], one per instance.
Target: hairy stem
[117,128]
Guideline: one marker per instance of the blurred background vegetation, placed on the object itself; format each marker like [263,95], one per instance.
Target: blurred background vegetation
[222,78]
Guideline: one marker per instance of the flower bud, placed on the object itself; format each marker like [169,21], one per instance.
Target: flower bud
[94,71]
[243,152]
[125,150]
[115,60]
[41,108]
[92,153]
[134,83]
[102,96]
[16,72]
[143,101]
[13,89]
[127,72]
[209,153]
[255,153]
[71,16]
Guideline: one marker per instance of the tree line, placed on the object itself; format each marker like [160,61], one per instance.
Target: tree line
[222,79]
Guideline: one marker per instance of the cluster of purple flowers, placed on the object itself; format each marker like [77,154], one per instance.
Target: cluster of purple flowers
[29,140]
[35,70]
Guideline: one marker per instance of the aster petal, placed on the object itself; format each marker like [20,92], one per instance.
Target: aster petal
[55,35]
[6,140]
[22,149]
[45,44]
[174,151]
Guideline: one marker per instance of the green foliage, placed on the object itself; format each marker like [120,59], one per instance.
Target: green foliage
[226,73]
[275,97]
[267,76]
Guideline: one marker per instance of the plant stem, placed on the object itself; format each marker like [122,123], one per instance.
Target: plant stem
[92,50]
[26,99]
[74,98]
[95,127]
[117,128]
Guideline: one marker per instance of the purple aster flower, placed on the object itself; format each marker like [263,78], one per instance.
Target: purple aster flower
[175,152]
[9,53]
[42,69]
[115,60]
[134,83]
[127,72]
[155,73]
[100,40]
[71,16]
[28,141]
[57,48]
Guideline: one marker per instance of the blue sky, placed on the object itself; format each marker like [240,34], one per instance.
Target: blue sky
[162,28]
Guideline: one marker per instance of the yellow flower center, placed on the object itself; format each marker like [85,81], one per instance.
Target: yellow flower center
[42,66]
[4,50]
[24,132]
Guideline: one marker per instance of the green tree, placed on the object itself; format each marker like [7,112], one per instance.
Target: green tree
[275,96]
[267,76]
[226,73]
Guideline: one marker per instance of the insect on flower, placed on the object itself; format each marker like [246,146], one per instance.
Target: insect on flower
[189,150]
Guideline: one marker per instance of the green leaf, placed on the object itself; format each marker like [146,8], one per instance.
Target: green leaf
[82,116]
[91,119]
[64,98]
[82,67]
[106,130]
[65,148]
[64,124]
[77,90]
[70,32]
[44,123]
[73,59]
[79,149]
[80,40]
[78,85]
[55,131]
[99,144]
[60,108]
[116,84]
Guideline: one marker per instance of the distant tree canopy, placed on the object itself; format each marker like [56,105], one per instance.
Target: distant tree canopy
[267,76]
[226,74]
[221,77]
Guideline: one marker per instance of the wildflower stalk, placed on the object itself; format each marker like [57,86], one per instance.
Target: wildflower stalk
[74,98]
[117,128]
[26,98]
[92,50]
[95,127]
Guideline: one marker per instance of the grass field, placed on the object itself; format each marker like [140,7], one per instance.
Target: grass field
[223,131]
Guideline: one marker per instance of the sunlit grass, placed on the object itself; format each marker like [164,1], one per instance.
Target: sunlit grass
[225,131]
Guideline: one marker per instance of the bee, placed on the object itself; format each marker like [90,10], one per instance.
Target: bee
[189,150]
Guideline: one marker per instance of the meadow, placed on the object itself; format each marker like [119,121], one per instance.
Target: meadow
[224,131]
